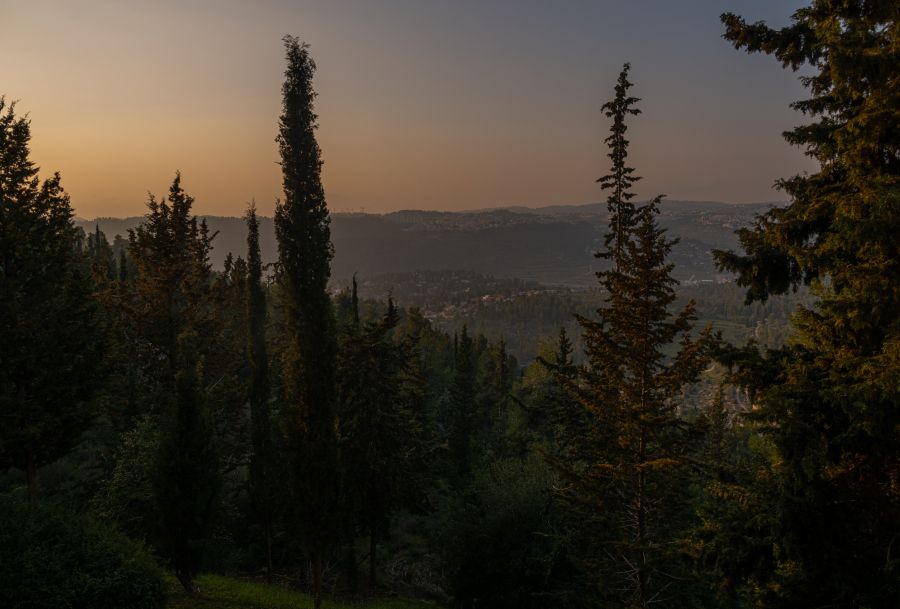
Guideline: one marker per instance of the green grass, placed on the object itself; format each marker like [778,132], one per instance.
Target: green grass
[217,592]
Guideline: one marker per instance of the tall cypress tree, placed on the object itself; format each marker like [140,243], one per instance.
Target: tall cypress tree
[830,404]
[48,361]
[257,357]
[309,358]
[626,469]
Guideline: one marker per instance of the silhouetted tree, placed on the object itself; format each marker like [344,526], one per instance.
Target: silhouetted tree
[48,322]
[830,403]
[309,358]
[187,483]
[261,457]
[382,399]
[169,312]
[463,417]
[625,476]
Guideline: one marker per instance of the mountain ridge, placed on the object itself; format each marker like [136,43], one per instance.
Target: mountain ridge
[551,245]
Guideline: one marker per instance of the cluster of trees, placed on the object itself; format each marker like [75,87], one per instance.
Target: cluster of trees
[250,420]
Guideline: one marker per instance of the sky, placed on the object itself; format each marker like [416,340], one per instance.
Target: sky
[423,104]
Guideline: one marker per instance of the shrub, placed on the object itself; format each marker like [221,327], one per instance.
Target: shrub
[50,558]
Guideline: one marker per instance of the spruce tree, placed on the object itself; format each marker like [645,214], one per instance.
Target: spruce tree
[48,320]
[309,357]
[830,403]
[625,475]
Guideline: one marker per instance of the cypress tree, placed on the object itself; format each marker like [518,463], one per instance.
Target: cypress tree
[830,403]
[260,425]
[626,469]
[309,358]
[48,362]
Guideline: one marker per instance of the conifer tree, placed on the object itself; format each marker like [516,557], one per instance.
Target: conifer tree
[171,293]
[48,361]
[381,402]
[560,414]
[830,403]
[261,458]
[463,417]
[101,256]
[169,312]
[187,476]
[309,358]
[625,474]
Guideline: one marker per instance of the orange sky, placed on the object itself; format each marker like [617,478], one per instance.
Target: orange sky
[422,104]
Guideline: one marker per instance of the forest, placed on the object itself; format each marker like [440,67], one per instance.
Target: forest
[177,435]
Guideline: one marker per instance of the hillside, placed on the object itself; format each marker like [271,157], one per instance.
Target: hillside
[549,245]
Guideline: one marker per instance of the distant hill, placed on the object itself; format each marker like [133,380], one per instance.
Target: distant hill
[549,245]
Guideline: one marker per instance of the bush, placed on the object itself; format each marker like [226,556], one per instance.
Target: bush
[499,542]
[49,558]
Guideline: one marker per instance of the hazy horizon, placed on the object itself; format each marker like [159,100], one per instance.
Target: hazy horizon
[422,105]
[240,213]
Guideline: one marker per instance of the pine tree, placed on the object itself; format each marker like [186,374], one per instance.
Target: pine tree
[48,363]
[626,471]
[261,458]
[309,359]
[830,404]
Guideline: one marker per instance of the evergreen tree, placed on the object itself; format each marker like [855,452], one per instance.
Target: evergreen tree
[187,476]
[309,358]
[559,414]
[101,256]
[830,404]
[48,321]
[261,458]
[626,473]
[169,311]
[463,416]
[381,404]
[171,293]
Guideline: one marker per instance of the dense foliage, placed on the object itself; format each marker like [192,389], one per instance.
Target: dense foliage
[309,358]
[260,422]
[48,365]
[49,558]
[830,403]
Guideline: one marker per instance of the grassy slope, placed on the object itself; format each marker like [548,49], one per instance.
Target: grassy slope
[218,592]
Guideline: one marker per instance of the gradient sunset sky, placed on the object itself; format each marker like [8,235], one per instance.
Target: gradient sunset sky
[423,104]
